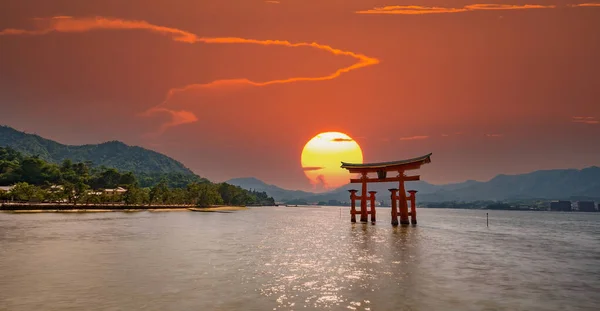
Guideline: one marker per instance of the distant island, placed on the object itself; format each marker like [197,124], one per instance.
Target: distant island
[34,170]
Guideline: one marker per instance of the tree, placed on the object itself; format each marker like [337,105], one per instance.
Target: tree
[109,179]
[209,195]
[77,179]
[234,195]
[136,196]
[66,166]
[128,179]
[80,189]
[26,192]
[176,196]
[68,192]
[33,171]
[192,193]
[92,198]
[4,195]
[159,193]
[82,169]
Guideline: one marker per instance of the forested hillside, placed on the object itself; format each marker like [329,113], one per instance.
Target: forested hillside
[33,179]
[109,154]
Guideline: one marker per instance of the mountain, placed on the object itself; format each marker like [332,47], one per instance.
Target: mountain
[340,194]
[110,154]
[544,184]
[279,194]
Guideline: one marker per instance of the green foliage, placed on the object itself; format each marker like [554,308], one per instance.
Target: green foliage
[261,198]
[208,195]
[79,183]
[137,196]
[233,195]
[110,154]
[26,192]
[174,180]
[159,193]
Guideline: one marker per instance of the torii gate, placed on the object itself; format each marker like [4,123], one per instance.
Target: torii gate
[398,196]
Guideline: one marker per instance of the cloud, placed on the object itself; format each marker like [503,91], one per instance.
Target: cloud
[312,168]
[410,10]
[494,135]
[339,140]
[414,137]
[178,117]
[420,10]
[320,183]
[272,1]
[475,7]
[67,24]
[585,5]
[585,120]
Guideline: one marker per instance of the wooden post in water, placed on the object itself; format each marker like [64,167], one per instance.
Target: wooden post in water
[403,204]
[413,207]
[394,198]
[352,205]
[487,220]
[372,198]
[363,199]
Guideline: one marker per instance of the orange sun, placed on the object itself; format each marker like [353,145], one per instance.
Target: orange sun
[322,156]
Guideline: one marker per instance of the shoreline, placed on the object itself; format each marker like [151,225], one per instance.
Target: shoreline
[60,208]
[217,209]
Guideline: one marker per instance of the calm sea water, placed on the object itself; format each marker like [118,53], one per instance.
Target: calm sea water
[299,259]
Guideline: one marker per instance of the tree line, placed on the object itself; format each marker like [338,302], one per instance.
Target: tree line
[35,180]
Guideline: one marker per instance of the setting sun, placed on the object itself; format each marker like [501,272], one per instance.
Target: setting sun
[322,155]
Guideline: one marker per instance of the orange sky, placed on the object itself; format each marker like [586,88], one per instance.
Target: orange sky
[488,87]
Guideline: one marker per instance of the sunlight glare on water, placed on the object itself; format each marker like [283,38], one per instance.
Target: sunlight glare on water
[278,258]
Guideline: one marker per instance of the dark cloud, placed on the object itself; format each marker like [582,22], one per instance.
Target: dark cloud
[418,137]
[339,140]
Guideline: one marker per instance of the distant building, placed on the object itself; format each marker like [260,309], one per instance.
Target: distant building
[6,188]
[56,188]
[561,206]
[586,206]
[118,190]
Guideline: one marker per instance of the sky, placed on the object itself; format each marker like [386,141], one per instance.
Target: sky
[236,88]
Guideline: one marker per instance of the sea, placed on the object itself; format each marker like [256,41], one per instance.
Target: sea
[300,258]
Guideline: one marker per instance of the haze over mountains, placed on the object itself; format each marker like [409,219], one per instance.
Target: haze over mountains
[545,184]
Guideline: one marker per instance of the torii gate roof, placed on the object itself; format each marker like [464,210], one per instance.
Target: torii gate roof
[401,165]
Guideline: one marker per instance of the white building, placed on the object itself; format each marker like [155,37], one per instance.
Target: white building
[6,188]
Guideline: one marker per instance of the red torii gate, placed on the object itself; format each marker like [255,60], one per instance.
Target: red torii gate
[398,196]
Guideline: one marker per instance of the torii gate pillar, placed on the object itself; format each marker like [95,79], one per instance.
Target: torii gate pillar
[413,206]
[394,198]
[372,199]
[363,200]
